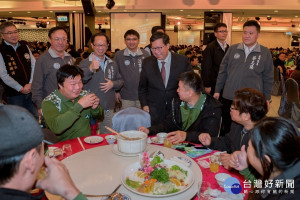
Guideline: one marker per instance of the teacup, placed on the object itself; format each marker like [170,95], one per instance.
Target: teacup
[161,137]
[110,139]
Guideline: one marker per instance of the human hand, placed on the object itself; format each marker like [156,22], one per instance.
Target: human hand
[205,139]
[94,66]
[207,90]
[146,108]
[225,160]
[238,159]
[176,136]
[280,69]
[96,103]
[216,95]
[88,100]
[106,86]
[118,97]
[143,129]
[26,89]
[58,180]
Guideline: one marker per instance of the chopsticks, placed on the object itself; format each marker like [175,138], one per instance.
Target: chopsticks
[125,137]
[80,143]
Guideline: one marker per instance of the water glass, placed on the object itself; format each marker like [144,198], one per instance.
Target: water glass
[167,143]
[214,163]
[67,149]
[203,190]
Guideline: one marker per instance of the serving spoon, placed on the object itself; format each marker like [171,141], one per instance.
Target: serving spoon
[125,137]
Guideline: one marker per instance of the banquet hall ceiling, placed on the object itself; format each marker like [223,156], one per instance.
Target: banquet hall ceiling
[282,16]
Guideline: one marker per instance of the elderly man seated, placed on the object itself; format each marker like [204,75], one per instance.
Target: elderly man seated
[194,113]
[249,107]
[22,156]
[67,110]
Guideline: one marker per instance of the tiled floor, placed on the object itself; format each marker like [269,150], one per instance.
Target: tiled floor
[273,112]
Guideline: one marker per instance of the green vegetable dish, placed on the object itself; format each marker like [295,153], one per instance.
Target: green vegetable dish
[159,177]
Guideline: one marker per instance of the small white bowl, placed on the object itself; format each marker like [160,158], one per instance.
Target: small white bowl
[221,177]
[110,139]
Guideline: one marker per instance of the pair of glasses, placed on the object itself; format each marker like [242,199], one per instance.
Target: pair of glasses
[60,39]
[222,31]
[157,48]
[100,45]
[11,32]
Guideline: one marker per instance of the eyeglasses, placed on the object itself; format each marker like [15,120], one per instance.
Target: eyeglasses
[157,48]
[222,31]
[100,45]
[11,32]
[60,39]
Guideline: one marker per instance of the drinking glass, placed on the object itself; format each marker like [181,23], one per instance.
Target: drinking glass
[67,149]
[203,190]
[167,143]
[214,163]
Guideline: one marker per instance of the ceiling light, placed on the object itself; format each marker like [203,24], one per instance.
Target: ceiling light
[74,11]
[178,23]
[28,12]
[110,4]
[180,10]
[125,10]
[9,12]
[211,10]
[99,11]
[51,11]
[188,15]
[276,11]
[296,16]
[152,10]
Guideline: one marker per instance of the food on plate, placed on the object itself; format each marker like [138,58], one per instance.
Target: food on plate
[156,177]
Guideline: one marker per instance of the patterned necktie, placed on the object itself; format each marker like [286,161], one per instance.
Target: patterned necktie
[163,72]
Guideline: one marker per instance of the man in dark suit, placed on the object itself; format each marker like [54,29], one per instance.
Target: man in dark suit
[212,58]
[159,78]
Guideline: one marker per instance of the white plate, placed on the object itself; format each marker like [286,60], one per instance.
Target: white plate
[130,170]
[115,150]
[93,139]
[154,140]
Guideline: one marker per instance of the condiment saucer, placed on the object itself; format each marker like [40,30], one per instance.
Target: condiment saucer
[116,151]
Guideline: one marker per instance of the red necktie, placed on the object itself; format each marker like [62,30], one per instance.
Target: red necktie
[163,72]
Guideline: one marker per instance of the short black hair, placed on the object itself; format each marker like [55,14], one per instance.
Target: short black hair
[160,35]
[187,53]
[248,100]
[99,34]
[67,71]
[57,28]
[131,32]
[219,25]
[193,57]
[252,23]
[156,28]
[192,80]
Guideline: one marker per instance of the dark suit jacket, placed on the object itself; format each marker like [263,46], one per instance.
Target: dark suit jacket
[212,58]
[152,91]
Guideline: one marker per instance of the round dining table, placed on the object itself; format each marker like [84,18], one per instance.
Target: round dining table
[97,169]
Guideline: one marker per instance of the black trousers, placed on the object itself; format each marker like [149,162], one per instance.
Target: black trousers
[226,118]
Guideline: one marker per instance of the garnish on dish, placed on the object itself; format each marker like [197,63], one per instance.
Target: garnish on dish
[156,177]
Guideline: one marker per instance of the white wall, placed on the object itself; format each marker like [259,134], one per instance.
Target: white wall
[267,39]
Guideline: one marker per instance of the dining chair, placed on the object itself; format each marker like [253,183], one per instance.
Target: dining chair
[49,136]
[292,89]
[130,119]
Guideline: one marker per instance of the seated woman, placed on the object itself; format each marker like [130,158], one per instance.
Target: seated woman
[249,106]
[274,152]
[296,75]
[194,113]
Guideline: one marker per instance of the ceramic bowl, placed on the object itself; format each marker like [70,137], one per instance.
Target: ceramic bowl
[132,146]
[110,139]
[221,177]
